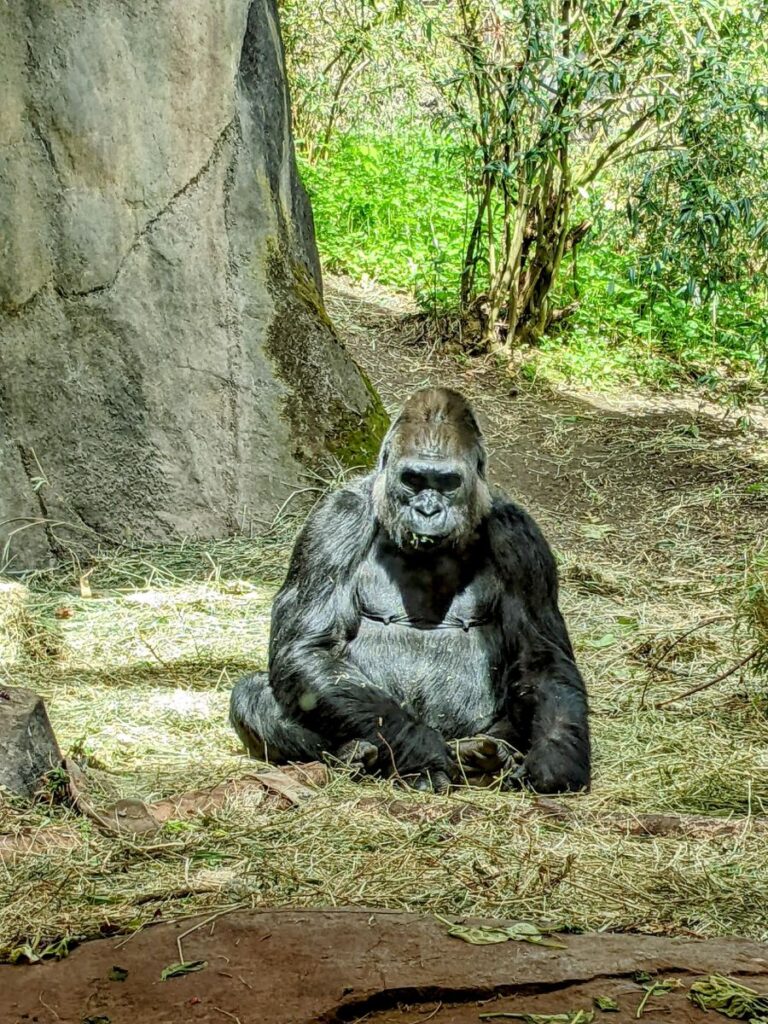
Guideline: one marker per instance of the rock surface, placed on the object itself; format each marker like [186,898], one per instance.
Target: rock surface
[28,747]
[294,966]
[167,367]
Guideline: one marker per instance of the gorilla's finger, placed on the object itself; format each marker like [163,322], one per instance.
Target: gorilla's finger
[440,782]
[428,781]
[486,754]
[359,755]
[487,745]
[470,748]
[369,753]
[515,778]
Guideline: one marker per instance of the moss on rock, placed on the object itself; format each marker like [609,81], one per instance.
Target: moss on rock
[310,360]
[357,443]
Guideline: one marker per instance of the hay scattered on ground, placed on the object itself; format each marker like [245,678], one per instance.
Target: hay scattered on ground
[657,518]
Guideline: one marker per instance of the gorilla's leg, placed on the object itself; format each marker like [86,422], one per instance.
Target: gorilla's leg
[264,728]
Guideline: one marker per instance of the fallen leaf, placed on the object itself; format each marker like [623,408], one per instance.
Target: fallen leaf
[654,988]
[519,931]
[478,936]
[729,998]
[606,1004]
[185,967]
[608,640]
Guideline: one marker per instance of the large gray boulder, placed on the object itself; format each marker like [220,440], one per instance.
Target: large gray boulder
[166,365]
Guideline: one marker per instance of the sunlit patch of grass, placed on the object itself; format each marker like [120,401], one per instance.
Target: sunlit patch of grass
[139,688]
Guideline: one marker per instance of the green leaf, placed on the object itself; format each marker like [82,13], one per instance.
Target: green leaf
[729,998]
[596,531]
[653,988]
[519,931]
[606,1003]
[185,967]
[479,936]
[608,640]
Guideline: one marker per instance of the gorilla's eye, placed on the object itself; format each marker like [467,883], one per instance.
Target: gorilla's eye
[449,482]
[412,480]
[432,479]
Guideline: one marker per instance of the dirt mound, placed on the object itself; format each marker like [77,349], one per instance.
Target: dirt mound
[342,965]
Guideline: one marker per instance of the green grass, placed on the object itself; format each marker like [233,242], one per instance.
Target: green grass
[392,209]
[624,332]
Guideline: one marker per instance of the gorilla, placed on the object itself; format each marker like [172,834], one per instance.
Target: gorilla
[420,609]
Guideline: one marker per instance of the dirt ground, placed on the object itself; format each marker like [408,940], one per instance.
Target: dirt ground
[625,459]
[656,507]
[323,967]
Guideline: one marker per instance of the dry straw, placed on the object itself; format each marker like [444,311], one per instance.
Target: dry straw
[656,515]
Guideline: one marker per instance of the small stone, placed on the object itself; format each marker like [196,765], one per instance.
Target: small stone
[28,747]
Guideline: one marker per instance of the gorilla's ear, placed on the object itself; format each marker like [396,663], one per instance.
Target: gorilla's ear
[482,459]
[471,421]
[386,448]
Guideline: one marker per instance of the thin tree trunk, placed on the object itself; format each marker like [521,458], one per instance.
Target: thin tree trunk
[471,255]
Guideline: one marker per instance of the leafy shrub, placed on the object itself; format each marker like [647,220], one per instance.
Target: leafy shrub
[391,208]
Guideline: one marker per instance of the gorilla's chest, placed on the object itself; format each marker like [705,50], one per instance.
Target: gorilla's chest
[427,636]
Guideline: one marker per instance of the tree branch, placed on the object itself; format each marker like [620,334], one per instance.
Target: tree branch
[617,143]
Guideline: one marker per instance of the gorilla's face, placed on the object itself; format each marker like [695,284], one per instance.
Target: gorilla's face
[431,501]
[430,491]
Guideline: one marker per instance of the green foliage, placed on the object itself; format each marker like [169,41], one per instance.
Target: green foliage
[389,208]
[464,151]
[351,63]
[624,330]
[550,100]
[697,206]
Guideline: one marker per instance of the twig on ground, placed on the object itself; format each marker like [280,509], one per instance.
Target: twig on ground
[710,682]
[671,646]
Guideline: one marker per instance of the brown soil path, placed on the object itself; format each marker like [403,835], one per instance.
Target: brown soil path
[292,966]
[642,465]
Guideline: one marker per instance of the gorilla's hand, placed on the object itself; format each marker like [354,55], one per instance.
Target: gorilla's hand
[552,768]
[485,755]
[418,755]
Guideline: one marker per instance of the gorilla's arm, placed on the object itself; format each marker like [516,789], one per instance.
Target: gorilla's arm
[314,617]
[544,676]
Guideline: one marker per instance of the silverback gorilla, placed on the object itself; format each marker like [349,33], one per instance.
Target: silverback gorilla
[421,608]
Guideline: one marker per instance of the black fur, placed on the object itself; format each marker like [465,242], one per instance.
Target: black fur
[406,644]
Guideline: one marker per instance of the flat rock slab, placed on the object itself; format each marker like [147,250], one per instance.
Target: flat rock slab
[28,747]
[292,966]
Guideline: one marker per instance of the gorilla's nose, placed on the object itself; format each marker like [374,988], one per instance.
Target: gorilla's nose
[427,505]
